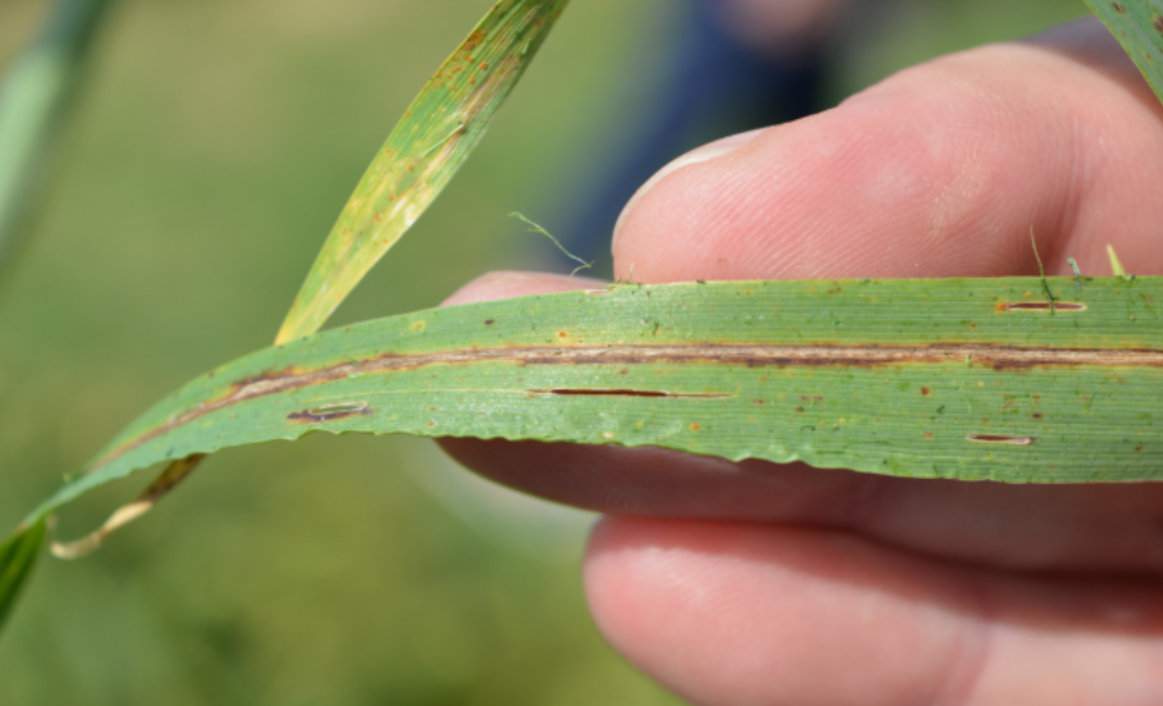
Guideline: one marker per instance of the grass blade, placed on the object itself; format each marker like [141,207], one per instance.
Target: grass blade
[17,558]
[973,379]
[1138,25]
[444,123]
[441,127]
[34,97]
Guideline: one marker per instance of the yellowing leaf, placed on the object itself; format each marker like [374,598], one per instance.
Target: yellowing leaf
[440,128]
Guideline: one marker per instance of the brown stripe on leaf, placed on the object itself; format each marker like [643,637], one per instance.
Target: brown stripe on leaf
[331,412]
[606,392]
[1047,306]
[1001,439]
[750,355]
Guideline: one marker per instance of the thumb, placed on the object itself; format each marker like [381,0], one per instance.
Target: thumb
[941,170]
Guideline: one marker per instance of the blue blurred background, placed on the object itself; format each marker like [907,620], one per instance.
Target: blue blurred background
[213,146]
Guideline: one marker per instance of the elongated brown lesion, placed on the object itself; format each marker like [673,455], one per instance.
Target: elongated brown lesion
[1007,439]
[1047,306]
[331,412]
[750,355]
[618,392]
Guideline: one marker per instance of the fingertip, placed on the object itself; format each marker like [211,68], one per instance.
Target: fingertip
[505,284]
[705,153]
[739,613]
[940,170]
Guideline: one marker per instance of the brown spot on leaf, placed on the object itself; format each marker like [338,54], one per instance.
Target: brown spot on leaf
[1001,439]
[330,412]
[614,392]
[490,322]
[1119,8]
[472,41]
[925,391]
[1041,306]
[1157,23]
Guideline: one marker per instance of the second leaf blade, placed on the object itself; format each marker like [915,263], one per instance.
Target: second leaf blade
[437,133]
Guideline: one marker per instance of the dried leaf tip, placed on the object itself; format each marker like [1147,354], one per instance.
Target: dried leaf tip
[1117,268]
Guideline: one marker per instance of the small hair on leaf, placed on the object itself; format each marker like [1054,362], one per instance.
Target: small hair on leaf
[540,230]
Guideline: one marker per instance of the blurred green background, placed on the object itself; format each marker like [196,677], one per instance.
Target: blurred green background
[211,151]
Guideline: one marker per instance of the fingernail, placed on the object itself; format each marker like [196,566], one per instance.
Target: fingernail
[707,152]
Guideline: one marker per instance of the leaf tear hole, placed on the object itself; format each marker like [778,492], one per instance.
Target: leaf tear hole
[618,392]
[1000,439]
[330,412]
[1043,306]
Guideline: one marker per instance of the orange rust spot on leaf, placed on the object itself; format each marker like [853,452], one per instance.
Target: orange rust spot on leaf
[472,41]
[695,426]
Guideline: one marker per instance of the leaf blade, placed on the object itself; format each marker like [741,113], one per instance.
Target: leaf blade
[18,556]
[1138,26]
[36,94]
[440,128]
[968,379]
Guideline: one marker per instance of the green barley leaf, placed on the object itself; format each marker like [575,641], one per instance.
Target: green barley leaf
[1138,25]
[17,557]
[971,379]
[441,127]
[35,95]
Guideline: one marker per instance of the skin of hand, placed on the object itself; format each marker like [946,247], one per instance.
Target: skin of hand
[754,583]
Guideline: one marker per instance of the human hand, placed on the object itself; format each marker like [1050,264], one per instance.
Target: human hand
[791,585]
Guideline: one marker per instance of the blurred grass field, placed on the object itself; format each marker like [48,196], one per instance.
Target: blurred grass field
[214,145]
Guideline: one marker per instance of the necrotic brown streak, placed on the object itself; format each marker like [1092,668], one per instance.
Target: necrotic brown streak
[750,355]
[1001,439]
[606,392]
[329,413]
[1045,306]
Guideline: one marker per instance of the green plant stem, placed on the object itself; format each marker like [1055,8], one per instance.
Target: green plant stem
[34,98]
